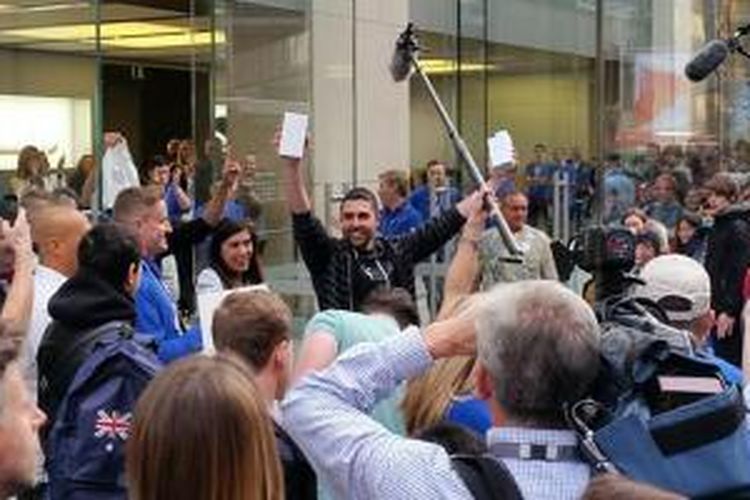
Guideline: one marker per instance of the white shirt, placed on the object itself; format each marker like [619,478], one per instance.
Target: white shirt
[46,282]
[537,263]
[208,282]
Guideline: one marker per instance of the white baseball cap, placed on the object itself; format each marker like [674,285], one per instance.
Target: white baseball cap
[679,284]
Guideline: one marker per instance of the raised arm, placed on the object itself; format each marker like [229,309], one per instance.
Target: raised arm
[183,199]
[309,233]
[461,279]
[437,231]
[326,415]
[294,182]
[18,303]
[215,206]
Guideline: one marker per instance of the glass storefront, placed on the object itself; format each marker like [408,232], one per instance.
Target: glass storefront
[580,77]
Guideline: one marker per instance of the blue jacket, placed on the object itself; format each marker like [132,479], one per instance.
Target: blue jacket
[156,314]
[403,220]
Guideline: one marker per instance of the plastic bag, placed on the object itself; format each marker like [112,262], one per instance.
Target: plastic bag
[118,172]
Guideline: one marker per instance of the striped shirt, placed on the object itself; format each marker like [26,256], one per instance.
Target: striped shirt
[326,415]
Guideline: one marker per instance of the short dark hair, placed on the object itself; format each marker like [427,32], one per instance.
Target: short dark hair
[691,218]
[361,193]
[395,302]
[722,184]
[251,324]
[613,156]
[651,239]
[432,163]
[507,196]
[130,201]
[108,250]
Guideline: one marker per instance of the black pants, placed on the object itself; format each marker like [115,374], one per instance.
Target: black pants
[730,348]
[183,256]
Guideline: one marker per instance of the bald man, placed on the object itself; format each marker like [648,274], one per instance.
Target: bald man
[56,229]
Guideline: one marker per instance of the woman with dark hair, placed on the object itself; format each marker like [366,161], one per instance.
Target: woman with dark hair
[233,259]
[690,237]
[635,219]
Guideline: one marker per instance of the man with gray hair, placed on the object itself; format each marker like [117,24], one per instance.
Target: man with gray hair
[538,350]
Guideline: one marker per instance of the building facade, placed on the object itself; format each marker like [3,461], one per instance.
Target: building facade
[594,76]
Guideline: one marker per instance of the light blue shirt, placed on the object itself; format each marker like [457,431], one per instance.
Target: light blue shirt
[326,415]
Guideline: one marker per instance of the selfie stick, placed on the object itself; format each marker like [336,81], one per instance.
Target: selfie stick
[404,61]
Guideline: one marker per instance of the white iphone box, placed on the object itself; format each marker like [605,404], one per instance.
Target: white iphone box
[293,135]
[501,149]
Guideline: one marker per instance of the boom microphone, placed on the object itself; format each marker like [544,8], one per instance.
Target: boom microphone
[708,59]
[403,54]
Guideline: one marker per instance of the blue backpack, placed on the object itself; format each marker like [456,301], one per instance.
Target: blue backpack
[691,438]
[85,448]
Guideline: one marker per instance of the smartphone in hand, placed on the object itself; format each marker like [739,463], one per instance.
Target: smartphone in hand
[293,135]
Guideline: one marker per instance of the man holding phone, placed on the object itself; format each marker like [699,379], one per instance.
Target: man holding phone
[344,270]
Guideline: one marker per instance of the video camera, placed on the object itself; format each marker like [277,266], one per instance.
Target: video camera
[608,253]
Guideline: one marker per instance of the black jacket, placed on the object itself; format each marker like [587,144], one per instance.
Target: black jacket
[82,303]
[342,276]
[299,478]
[728,257]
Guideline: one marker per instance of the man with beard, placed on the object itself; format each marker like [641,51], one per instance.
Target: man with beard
[344,270]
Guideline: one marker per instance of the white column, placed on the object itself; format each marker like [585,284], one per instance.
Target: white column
[360,116]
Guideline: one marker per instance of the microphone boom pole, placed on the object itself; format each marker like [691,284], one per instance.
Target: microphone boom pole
[406,49]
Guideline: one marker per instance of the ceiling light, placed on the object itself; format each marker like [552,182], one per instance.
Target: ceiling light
[448,66]
[129,35]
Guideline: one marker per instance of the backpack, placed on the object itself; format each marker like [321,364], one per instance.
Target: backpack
[85,448]
[661,415]
[486,477]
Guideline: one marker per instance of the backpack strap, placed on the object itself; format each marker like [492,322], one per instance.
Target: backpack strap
[486,477]
[77,351]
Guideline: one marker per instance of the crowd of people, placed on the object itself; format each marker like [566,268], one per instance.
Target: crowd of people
[377,401]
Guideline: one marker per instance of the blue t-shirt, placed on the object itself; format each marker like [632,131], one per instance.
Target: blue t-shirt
[666,213]
[444,199]
[731,373]
[541,188]
[470,412]
[402,220]
[619,195]
[174,211]
[569,172]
